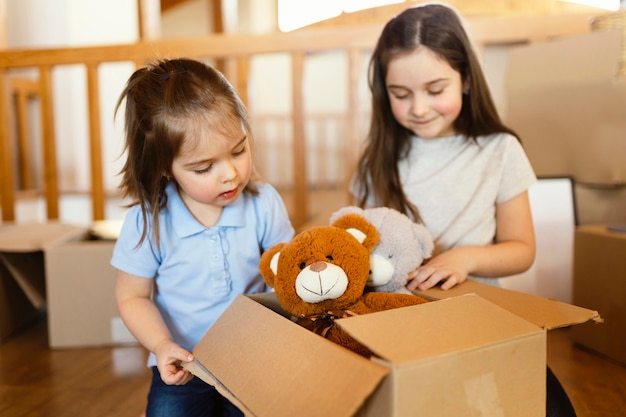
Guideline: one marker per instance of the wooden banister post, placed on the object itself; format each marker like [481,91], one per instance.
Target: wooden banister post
[149,13]
[6,155]
[51,188]
[300,183]
[24,90]
[95,143]
[352,145]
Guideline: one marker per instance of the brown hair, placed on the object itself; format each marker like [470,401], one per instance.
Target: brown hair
[438,28]
[158,98]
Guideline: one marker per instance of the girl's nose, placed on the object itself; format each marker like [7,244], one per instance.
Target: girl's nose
[229,171]
[420,106]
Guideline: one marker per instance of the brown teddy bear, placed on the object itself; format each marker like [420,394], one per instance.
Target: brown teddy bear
[320,275]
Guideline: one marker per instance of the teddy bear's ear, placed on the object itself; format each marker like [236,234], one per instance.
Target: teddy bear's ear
[268,266]
[422,234]
[345,210]
[360,228]
[274,263]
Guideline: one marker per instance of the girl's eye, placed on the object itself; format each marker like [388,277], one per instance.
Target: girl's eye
[240,152]
[203,170]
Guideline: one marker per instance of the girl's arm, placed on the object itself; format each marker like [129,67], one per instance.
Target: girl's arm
[513,251]
[143,319]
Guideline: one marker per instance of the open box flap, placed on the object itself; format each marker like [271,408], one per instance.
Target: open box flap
[236,354]
[545,313]
[435,329]
[37,236]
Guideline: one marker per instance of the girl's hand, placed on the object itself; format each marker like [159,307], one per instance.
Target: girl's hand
[169,356]
[447,268]
[512,253]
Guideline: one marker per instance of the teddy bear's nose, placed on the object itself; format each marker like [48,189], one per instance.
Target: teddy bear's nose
[318,266]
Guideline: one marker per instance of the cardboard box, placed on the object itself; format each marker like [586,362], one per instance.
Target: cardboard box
[491,356]
[80,282]
[57,269]
[600,284]
[563,98]
[22,280]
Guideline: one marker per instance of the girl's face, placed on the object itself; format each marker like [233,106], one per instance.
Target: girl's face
[425,93]
[213,168]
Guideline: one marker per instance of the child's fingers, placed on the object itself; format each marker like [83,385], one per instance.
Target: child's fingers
[419,276]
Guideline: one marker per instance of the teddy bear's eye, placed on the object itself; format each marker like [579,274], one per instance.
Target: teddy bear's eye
[390,256]
[302,265]
[330,258]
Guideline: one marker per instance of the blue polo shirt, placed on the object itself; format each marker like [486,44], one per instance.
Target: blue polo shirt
[198,271]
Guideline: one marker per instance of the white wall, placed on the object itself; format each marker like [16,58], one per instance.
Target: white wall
[554,218]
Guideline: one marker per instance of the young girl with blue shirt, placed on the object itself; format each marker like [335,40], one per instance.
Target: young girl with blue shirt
[199,222]
[438,152]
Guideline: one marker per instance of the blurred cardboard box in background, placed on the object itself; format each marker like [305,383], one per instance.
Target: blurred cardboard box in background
[600,284]
[59,270]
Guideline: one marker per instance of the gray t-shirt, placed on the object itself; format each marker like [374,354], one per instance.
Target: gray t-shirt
[456,183]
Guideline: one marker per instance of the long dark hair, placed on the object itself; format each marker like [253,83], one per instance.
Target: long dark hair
[438,28]
[158,98]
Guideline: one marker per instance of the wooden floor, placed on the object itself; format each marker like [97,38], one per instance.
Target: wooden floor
[36,381]
[596,385]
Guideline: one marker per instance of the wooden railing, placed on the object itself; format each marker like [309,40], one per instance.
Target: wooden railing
[353,41]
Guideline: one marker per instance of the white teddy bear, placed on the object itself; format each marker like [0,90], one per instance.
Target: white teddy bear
[403,246]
